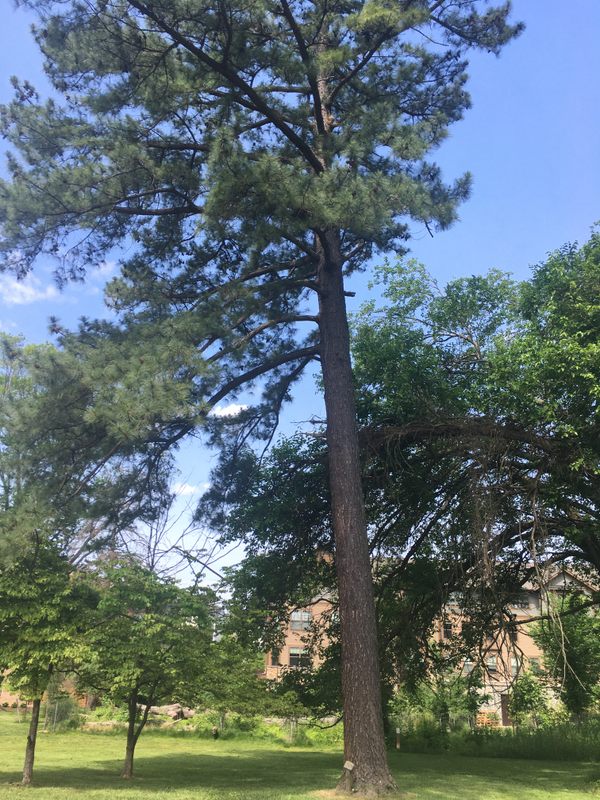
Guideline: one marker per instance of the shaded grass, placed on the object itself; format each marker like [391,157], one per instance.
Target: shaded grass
[83,765]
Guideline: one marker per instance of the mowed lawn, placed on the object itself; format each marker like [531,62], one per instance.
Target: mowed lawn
[84,765]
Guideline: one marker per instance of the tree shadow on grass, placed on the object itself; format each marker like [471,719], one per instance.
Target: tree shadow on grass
[251,773]
[258,773]
[467,777]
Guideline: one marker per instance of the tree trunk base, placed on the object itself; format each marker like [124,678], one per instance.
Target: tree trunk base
[127,773]
[352,782]
[31,740]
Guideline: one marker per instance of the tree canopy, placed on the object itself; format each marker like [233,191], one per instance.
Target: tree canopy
[150,643]
[479,463]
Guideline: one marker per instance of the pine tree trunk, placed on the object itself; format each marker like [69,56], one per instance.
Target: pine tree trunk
[366,770]
[31,740]
[131,736]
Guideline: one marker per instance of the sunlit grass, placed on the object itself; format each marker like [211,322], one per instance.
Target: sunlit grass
[84,765]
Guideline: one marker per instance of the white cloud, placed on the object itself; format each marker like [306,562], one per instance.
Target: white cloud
[187,489]
[107,267]
[232,410]
[15,292]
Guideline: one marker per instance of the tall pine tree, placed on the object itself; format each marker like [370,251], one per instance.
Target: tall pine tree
[254,152]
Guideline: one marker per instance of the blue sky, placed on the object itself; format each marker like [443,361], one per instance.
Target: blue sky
[531,141]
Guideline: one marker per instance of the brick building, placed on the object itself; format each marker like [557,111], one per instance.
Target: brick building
[503,656]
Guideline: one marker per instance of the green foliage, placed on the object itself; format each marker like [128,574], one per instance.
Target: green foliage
[528,700]
[283,728]
[229,680]
[107,712]
[220,182]
[139,103]
[554,742]
[570,641]
[43,609]
[151,639]
[60,712]
[63,470]
[454,424]
[446,700]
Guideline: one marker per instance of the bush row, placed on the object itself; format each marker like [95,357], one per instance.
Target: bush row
[562,742]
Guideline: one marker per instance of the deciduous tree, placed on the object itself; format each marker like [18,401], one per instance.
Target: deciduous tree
[42,612]
[527,699]
[150,644]
[479,460]
[64,497]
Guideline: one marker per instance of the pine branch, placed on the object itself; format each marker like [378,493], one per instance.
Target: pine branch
[261,369]
[234,78]
[242,340]
[412,432]
[307,61]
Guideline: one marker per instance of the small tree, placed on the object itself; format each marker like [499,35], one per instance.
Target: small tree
[230,682]
[42,609]
[570,641]
[150,644]
[527,699]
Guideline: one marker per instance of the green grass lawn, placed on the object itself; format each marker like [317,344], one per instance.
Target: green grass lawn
[77,765]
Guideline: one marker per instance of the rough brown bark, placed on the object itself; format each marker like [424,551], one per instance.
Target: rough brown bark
[31,740]
[366,770]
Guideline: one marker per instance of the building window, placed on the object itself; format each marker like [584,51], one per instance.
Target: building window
[300,620]
[491,663]
[299,657]
[275,658]
[447,630]
[468,666]
[515,666]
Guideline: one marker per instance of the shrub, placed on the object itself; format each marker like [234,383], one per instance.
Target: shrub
[325,737]
[107,712]
[61,713]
